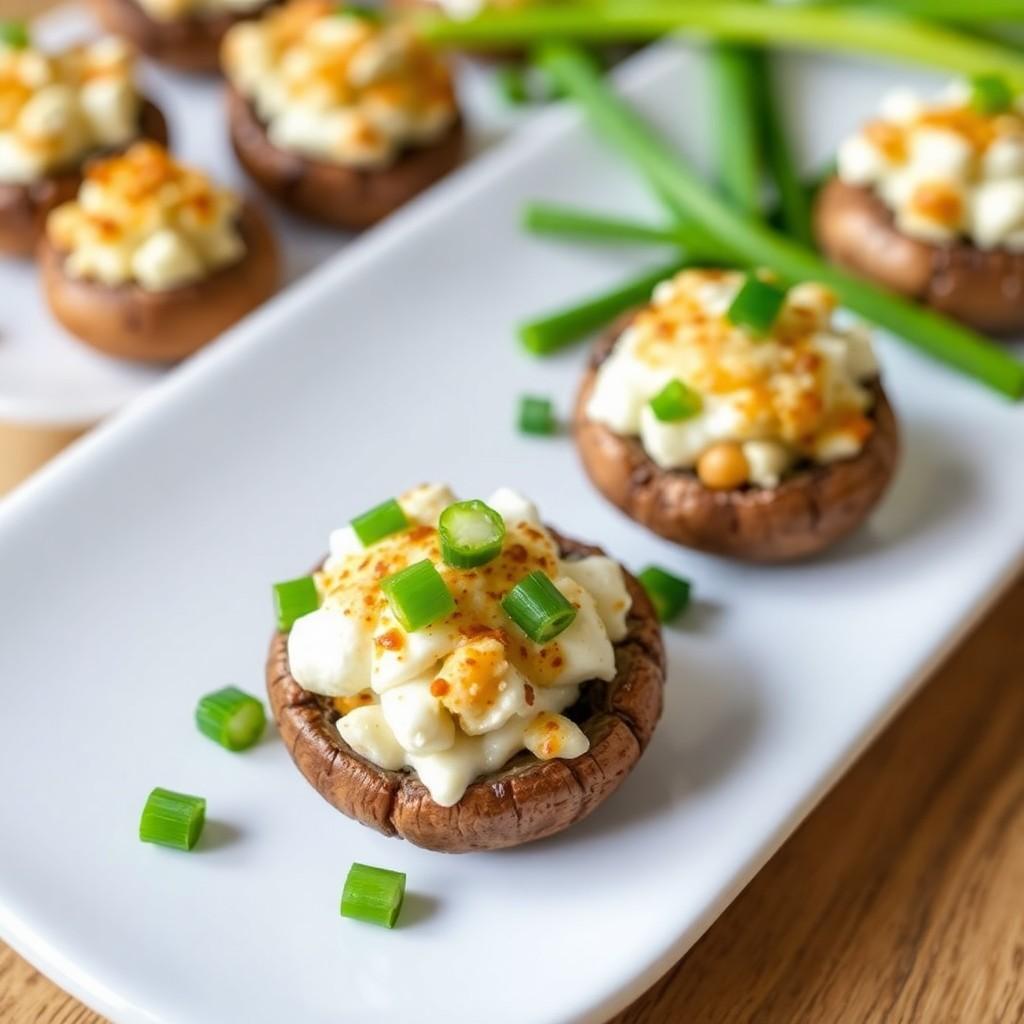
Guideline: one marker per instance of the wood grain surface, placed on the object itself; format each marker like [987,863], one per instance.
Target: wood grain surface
[900,899]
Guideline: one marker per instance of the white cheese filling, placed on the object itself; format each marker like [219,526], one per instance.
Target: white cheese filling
[457,699]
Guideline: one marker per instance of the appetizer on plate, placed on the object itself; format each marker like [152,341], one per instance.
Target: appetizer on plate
[735,417]
[929,200]
[339,114]
[152,259]
[186,34]
[56,111]
[461,676]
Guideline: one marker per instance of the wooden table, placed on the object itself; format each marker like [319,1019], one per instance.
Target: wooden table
[901,898]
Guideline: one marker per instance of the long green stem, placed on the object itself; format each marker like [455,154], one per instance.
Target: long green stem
[554,220]
[754,244]
[970,11]
[827,28]
[737,134]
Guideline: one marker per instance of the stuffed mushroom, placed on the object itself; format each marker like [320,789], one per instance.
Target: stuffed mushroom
[339,114]
[185,34]
[56,111]
[737,418]
[152,260]
[928,200]
[461,676]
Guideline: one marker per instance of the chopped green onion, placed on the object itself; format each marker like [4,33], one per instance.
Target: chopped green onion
[674,402]
[539,608]
[373,894]
[472,534]
[669,594]
[14,34]
[231,717]
[172,819]
[360,11]
[293,599]
[536,416]
[757,305]
[418,595]
[510,80]
[564,221]
[380,522]
[991,94]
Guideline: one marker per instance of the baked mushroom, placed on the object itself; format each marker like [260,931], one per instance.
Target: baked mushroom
[339,114]
[736,418]
[928,200]
[56,111]
[152,260]
[469,708]
[185,34]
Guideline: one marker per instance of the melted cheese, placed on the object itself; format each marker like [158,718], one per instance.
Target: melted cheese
[340,88]
[457,698]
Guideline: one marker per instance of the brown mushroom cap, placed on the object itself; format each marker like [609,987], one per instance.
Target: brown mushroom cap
[982,288]
[129,322]
[24,208]
[345,197]
[806,513]
[191,43]
[528,799]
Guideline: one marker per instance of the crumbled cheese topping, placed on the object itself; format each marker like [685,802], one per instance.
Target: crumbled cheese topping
[337,87]
[460,697]
[945,170]
[798,394]
[142,217]
[56,109]
[172,10]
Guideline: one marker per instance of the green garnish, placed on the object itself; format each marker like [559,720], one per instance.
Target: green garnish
[373,894]
[471,533]
[293,599]
[380,522]
[231,717]
[418,595]
[552,219]
[733,89]
[360,11]
[14,34]
[172,819]
[674,402]
[669,594]
[539,608]
[991,94]
[510,80]
[757,305]
[536,416]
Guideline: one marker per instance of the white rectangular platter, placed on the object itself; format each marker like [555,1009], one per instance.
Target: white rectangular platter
[135,576]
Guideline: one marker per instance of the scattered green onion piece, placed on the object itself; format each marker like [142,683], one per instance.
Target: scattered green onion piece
[373,894]
[675,402]
[293,599]
[757,305]
[360,11]
[172,819]
[380,522]
[538,608]
[990,94]
[510,80]
[471,533]
[536,416]
[232,718]
[14,34]
[418,595]
[669,594]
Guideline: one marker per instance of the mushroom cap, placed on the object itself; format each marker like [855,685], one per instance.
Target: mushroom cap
[983,288]
[131,323]
[806,513]
[527,799]
[24,208]
[351,198]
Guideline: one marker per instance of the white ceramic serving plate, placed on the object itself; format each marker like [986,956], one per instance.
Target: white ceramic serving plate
[136,575]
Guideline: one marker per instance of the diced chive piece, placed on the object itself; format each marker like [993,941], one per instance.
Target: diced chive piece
[231,717]
[293,599]
[757,305]
[991,94]
[14,34]
[172,819]
[675,401]
[510,81]
[373,894]
[536,416]
[538,608]
[381,521]
[472,534]
[418,595]
[669,594]
[360,11]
